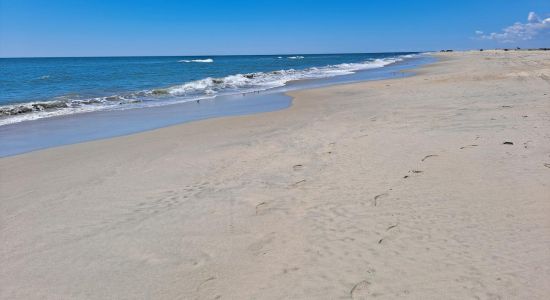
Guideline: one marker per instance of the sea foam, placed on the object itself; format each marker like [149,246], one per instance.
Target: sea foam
[189,91]
[207,60]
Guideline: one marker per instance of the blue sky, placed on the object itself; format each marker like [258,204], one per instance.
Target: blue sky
[146,27]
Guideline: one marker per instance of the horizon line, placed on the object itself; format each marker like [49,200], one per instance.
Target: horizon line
[208,55]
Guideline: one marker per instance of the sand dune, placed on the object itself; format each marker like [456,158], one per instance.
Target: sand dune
[434,186]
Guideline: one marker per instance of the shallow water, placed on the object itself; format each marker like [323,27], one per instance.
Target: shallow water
[34,88]
[48,132]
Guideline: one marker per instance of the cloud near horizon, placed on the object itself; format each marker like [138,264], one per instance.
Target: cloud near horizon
[519,31]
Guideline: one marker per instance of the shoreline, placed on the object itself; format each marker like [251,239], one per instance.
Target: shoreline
[400,188]
[211,84]
[35,135]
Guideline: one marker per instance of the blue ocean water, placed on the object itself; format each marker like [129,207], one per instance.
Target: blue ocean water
[36,88]
[84,99]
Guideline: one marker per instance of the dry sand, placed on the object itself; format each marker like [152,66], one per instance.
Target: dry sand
[389,189]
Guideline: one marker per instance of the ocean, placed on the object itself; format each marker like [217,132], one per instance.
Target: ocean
[47,102]
[34,88]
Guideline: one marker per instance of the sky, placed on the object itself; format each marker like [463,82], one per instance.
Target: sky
[41,28]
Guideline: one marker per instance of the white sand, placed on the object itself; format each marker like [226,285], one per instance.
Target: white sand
[305,203]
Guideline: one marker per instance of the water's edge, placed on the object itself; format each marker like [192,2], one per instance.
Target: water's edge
[46,133]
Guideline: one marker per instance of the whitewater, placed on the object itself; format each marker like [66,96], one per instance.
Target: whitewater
[192,90]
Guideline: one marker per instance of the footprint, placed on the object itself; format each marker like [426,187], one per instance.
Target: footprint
[391,227]
[204,282]
[258,247]
[412,171]
[360,291]
[297,167]
[259,205]
[287,270]
[331,146]
[298,183]
[428,156]
[375,202]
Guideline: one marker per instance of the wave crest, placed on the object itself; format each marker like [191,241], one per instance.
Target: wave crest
[207,60]
[243,83]
[204,88]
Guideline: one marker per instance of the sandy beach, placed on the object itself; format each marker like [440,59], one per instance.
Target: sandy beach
[434,186]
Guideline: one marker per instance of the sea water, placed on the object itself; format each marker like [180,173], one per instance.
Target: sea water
[47,102]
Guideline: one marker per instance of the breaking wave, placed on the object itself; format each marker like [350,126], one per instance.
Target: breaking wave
[207,60]
[190,91]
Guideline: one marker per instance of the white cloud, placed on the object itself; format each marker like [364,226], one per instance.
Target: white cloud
[519,31]
[532,18]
